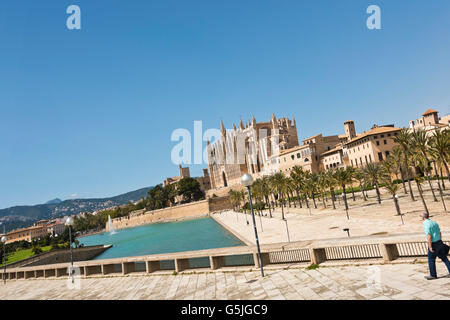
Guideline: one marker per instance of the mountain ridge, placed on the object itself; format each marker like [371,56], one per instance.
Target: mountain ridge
[25,215]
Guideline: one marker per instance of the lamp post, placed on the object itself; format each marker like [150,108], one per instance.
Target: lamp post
[4,256]
[348,231]
[69,223]
[247,181]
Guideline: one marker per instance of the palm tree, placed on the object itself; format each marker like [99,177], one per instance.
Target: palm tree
[351,174]
[359,175]
[374,173]
[279,185]
[420,146]
[440,149]
[342,178]
[403,139]
[396,156]
[265,189]
[393,188]
[297,181]
[419,181]
[331,184]
[312,185]
[322,178]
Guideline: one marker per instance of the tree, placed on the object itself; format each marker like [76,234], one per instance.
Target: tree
[393,188]
[265,189]
[297,181]
[331,184]
[440,149]
[403,139]
[189,188]
[351,171]
[171,191]
[157,198]
[374,173]
[279,185]
[359,175]
[419,181]
[342,178]
[421,148]
[396,159]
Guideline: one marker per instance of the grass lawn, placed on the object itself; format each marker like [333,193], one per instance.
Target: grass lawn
[22,254]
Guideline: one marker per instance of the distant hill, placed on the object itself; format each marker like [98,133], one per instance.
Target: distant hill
[22,216]
[56,200]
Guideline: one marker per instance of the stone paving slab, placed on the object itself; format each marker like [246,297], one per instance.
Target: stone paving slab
[375,282]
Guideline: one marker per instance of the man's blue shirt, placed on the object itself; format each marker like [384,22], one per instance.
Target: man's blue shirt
[432,228]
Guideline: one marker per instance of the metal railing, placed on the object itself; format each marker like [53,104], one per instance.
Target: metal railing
[364,251]
[231,257]
[289,256]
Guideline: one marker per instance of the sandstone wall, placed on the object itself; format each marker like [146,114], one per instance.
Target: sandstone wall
[184,211]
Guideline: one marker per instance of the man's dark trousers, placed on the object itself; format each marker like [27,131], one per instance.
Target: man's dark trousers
[439,251]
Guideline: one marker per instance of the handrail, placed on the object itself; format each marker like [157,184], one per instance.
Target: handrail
[232,256]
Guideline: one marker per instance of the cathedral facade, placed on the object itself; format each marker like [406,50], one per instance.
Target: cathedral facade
[247,148]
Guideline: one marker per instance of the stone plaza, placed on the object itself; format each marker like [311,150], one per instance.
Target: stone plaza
[357,282]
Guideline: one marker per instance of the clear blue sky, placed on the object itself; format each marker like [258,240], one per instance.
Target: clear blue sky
[90,112]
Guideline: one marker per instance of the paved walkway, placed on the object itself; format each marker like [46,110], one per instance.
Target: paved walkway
[396,281]
[367,218]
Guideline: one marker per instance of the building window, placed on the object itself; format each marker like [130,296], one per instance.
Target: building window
[351,161]
[298,155]
[382,136]
[384,141]
[380,156]
[292,157]
[387,153]
[370,158]
[378,143]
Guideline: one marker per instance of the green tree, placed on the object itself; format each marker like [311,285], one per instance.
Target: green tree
[403,139]
[189,188]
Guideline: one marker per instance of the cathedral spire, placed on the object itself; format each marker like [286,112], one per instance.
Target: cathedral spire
[222,128]
[293,121]
[242,125]
[253,121]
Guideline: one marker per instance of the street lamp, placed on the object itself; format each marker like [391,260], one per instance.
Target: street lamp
[4,256]
[69,223]
[247,181]
[348,231]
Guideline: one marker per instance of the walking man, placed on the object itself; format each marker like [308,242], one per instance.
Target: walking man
[436,248]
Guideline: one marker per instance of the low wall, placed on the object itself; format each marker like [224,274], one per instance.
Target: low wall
[219,204]
[62,256]
[175,213]
[184,211]
[246,256]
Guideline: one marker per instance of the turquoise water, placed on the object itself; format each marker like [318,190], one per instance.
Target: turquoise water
[187,235]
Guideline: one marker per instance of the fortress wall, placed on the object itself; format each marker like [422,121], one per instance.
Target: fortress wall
[220,203]
[180,212]
[184,211]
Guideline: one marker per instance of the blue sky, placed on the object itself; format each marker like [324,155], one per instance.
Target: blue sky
[89,112]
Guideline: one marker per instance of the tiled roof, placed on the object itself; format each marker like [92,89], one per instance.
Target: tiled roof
[429,111]
[337,148]
[373,131]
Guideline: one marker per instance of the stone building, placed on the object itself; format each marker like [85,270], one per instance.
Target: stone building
[245,149]
[371,146]
[429,121]
[27,234]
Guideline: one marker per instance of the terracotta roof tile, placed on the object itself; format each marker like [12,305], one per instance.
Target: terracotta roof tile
[373,131]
